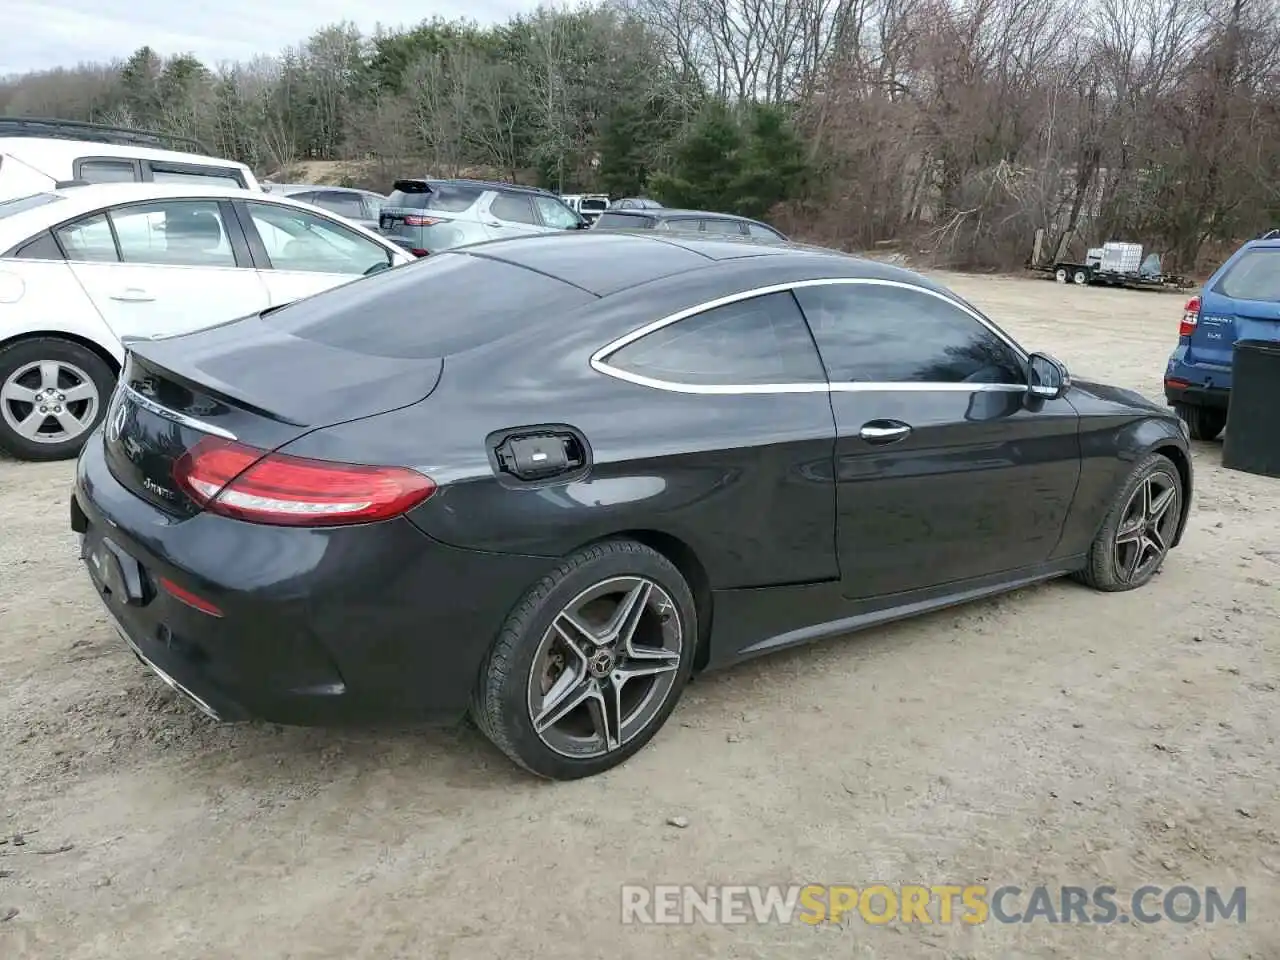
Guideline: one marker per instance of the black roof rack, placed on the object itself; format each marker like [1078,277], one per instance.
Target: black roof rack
[485,184]
[97,133]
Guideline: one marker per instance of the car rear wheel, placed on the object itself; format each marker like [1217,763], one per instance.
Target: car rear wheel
[1139,529]
[590,663]
[1062,275]
[1203,423]
[1080,278]
[53,392]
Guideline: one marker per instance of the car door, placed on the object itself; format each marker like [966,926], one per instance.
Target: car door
[163,267]
[510,215]
[945,469]
[303,253]
[742,386]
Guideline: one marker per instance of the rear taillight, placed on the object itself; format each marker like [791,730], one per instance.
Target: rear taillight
[244,482]
[418,251]
[412,220]
[1190,317]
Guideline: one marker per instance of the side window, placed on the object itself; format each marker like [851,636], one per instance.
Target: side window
[301,241]
[219,176]
[88,240]
[725,228]
[308,197]
[684,226]
[556,214]
[372,207]
[343,204]
[761,232]
[514,208]
[41,247]
[758,341]
[178,233]
[106,171]
[888,334]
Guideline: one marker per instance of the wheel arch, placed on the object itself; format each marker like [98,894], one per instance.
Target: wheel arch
[104,353]
[1183,463]
[686,560]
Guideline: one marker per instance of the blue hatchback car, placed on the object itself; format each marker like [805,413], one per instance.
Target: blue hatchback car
[1241,301]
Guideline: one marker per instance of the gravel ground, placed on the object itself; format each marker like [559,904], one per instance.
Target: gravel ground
[1051,736]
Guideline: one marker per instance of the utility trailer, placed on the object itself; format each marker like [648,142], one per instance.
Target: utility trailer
[1112,264]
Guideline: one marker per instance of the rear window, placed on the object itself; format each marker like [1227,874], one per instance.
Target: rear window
[476,302]
[1255,276]
[594,204]
[445,197]
[624,221]
[10,207]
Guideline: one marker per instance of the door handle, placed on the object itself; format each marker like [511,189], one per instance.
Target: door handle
[492,223]
[133,295]
[883,431]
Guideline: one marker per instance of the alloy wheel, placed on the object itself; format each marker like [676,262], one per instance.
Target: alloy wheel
[1146,527]
[605,667]
[49,401]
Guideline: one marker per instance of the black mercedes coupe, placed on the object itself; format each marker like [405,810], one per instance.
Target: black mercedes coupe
[543,481]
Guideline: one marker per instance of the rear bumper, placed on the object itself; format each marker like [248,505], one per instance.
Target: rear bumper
[1215,398]
[318,627]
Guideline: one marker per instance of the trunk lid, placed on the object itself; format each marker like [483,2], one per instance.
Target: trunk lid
[1241,303]
[244,381]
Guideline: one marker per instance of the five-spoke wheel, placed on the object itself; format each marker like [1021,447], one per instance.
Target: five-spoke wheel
[52,394]
[1139,529]
[590,663]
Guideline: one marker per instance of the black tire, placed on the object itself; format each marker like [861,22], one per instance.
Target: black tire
[1104,570]
[1203,423]
[1081,277]
[500,704]
[23,353]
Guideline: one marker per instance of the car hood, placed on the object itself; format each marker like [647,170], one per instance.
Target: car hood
[1118,395]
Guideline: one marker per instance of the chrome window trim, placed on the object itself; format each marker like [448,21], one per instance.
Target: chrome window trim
[600,365]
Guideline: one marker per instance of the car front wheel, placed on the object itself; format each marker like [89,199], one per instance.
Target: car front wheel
[1139,529]
[590,663]
[53,392]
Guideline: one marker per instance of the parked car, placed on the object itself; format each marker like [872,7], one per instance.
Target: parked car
[635,203]
[587,205]
[38,155]
[596,464]
[82,269]
[687,221]
[359,206]
[431,216]
[1241,301]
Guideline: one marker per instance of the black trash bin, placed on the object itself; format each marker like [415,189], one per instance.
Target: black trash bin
[1252,443]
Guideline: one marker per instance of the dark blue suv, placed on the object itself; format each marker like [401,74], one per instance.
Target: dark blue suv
[1240,302]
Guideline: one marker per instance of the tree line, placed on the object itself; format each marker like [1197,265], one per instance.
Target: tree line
[957,127]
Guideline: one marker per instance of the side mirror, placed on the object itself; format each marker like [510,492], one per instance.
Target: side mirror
[1047,377]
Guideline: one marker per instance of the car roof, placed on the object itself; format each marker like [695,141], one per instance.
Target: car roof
[606,263]
[675,213]
[75,201]
[481,184]
[287,188]
[60,149]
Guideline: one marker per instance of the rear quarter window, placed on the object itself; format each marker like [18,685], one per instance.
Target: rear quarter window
[1255,276]
[475,301]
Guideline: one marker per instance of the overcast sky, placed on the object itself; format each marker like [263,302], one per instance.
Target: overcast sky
[62,33]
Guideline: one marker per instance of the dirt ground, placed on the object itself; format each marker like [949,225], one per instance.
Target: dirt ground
[1051,736]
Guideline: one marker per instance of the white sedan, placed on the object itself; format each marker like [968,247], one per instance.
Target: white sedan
[83,268]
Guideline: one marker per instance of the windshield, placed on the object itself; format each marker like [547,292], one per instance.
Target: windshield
[9,207]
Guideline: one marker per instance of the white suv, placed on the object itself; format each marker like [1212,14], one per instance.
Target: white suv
[37,155]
